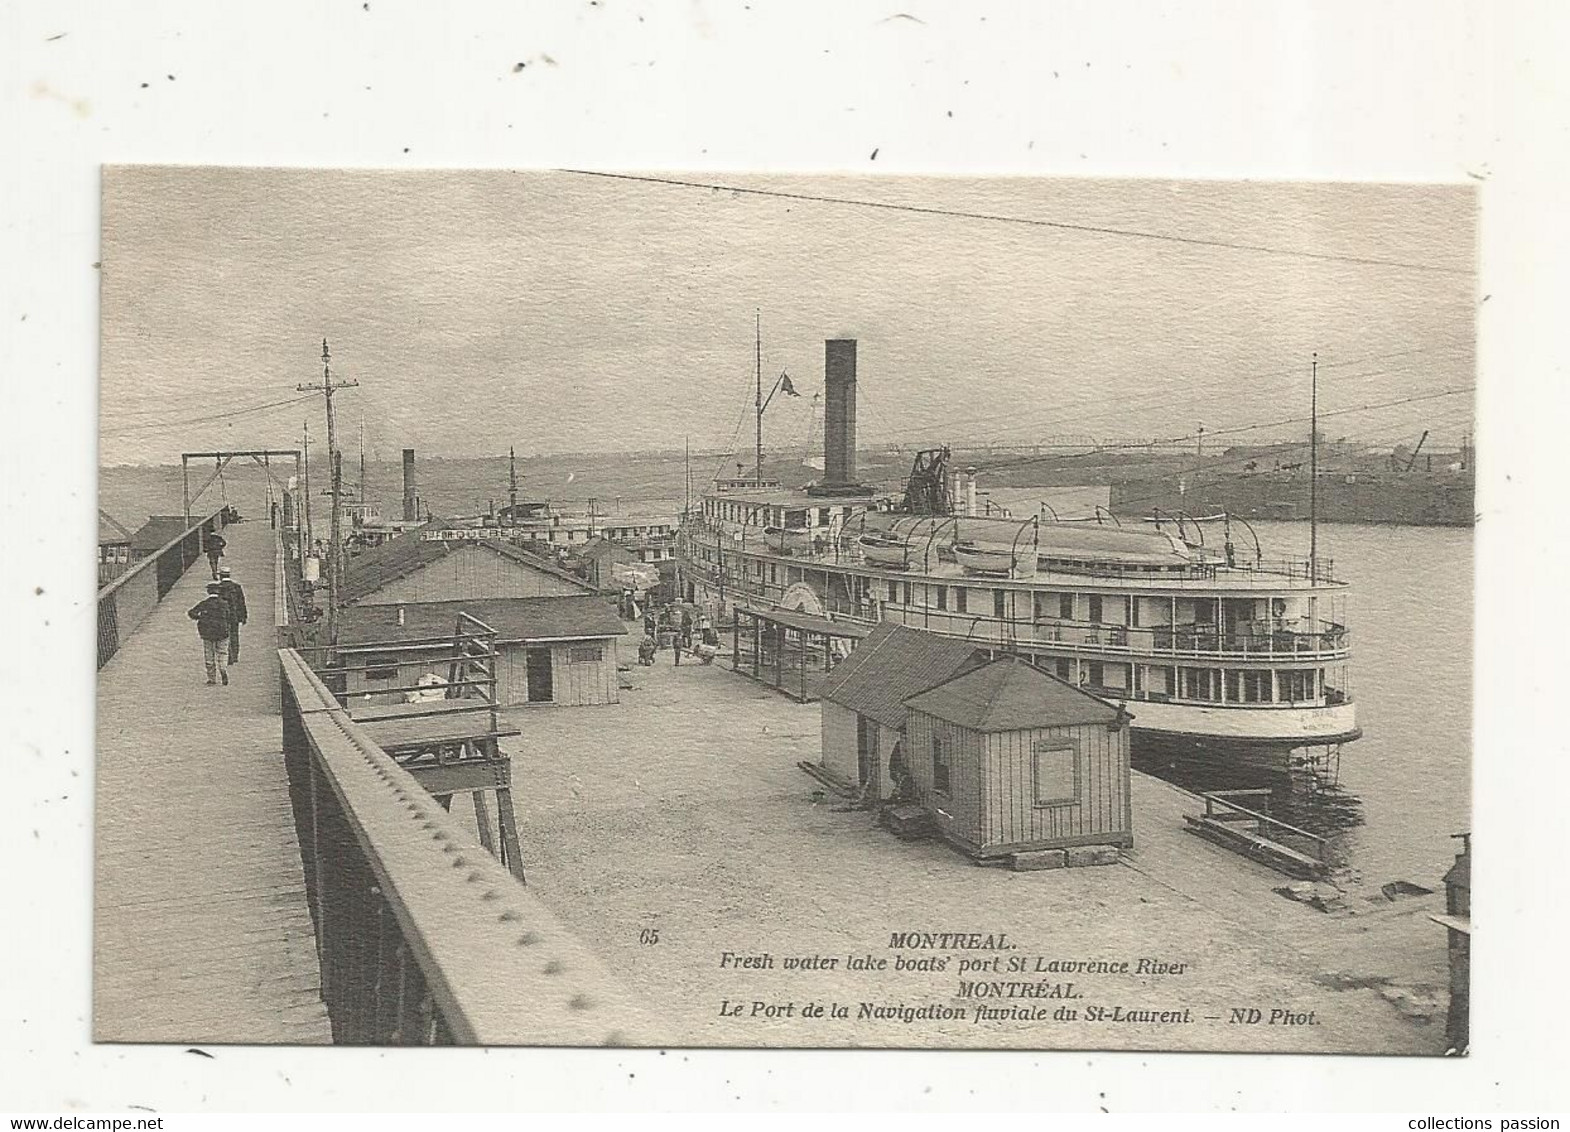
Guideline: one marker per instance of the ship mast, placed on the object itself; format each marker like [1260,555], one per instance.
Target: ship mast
[758,398]
[1313,473]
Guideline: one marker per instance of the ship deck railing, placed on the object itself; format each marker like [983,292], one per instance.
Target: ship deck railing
[1284,574]
[1089,638]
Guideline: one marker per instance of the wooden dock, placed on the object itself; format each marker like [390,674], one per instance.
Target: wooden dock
[201,932]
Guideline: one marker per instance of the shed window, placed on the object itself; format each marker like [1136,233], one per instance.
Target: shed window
[585,654]
[940,766]
[1055,767]
[379,666]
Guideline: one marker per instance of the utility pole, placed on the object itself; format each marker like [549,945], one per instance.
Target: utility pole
[1313,473]
[327,388]
[758,401]
[305,486]
[335,579]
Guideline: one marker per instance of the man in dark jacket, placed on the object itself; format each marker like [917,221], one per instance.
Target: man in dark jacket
[230,591]
[215,549]
[211,615]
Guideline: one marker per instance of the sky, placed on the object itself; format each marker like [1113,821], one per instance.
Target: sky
[562,312]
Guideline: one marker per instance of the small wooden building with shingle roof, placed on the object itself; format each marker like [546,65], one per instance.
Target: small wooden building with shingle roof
[1009,759]
[863,698]
[421,566]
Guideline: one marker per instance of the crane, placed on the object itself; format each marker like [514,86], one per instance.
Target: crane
[1410,463]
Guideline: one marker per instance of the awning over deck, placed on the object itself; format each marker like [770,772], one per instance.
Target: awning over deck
[806,623]
[789,650]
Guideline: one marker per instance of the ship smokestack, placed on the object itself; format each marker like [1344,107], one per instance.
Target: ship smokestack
[411,507]
[839,419]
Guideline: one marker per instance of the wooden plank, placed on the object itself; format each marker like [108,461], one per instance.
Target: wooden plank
[421,731]
[372,712]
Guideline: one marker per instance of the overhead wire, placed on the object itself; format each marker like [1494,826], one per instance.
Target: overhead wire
[1063,225]
[1021,461]
[168,425]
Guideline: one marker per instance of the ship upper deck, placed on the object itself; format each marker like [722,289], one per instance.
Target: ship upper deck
[929,561]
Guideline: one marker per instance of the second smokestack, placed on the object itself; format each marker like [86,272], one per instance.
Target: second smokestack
[411,505]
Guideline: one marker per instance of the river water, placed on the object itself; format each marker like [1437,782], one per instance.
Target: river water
[1395,796]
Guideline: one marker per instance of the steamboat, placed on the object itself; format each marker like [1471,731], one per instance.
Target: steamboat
[1204,645]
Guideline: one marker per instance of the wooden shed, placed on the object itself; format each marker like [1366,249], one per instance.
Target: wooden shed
[550,650]
[1009,759]
[864,696]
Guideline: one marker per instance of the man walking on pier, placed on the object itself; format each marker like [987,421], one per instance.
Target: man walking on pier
[215,549]
[211,615]
[230,591]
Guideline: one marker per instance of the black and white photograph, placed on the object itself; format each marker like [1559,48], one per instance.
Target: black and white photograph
[739,556]
[664,609]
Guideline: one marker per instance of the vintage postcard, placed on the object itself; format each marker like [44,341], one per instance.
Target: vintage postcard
[662,609]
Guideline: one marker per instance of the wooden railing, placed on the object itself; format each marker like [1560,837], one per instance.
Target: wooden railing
[1220,807]
[125,602]
[425,938]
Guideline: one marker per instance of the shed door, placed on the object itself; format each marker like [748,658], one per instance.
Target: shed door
[541,686]
[866,750]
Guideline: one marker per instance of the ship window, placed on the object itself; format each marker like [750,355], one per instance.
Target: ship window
[1095,607]
[1234,687]
[997,604]
[1066,606]
[1257,688]
[940,766]
[774,573]
[959,599]
[1062,664]
[1095,675]
[1055,768]
[943,596]
[823,516]
[1297,684]
[1198,684]
[907,592]
[1133,611]
[893,591]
